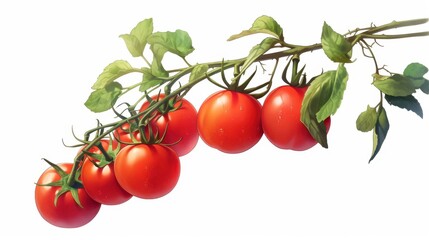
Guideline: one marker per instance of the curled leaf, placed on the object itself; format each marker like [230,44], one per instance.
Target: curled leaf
[263,24]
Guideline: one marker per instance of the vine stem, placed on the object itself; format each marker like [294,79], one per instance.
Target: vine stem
[219,66]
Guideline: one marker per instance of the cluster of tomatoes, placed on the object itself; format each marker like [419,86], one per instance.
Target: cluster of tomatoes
[227,120]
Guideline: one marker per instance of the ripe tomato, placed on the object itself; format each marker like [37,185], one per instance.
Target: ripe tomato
[66,213]
[147,170]
[230,121]
[100,183]
[125,134]
[179,126]
[281,119]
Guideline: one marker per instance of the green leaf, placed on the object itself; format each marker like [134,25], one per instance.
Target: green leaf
[133,44]
[259,50]
[425,87]
[315,97]
[263,24]
[157,69]
[335,45]
[198,72]
[395,85]
[178,42]
[113,71]
[367,119]
[415,70]
[149,80]
[322,99]
[418,82]
[137,39]
[146,84]
[409,103]
[380,132]
[103,99]
[338,83]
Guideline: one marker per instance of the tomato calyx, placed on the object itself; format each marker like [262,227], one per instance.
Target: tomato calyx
[138,127]
[106,156]
[235,85]
[298,77]
[166,105]
[64,184]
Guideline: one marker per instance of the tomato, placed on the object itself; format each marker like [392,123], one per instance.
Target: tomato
[100,183]
[147,170]
[179,125]
[230,121]
[126,134]
[67,213]
[281,119]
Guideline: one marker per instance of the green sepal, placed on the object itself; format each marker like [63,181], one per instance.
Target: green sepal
[63,184]
[66,188]
[102,161]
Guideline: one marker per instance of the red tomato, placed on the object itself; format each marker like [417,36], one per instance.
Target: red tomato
[281,119]
[147,171]
[179,126]
[100,183]
[230,121]
[67,213]
[125,134]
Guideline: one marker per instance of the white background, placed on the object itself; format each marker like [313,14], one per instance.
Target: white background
[51,52]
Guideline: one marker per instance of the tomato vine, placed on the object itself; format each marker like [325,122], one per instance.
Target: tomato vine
[323,93]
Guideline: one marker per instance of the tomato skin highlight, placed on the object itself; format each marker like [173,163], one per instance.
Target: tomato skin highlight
[179,125]
[67,213]
[230,121]
[147,171]
[281,119]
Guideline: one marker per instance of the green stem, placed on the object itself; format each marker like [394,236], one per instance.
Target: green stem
[186,61]
[395,36]
[219,66]
[146,61]
[372,55]
[396,24]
